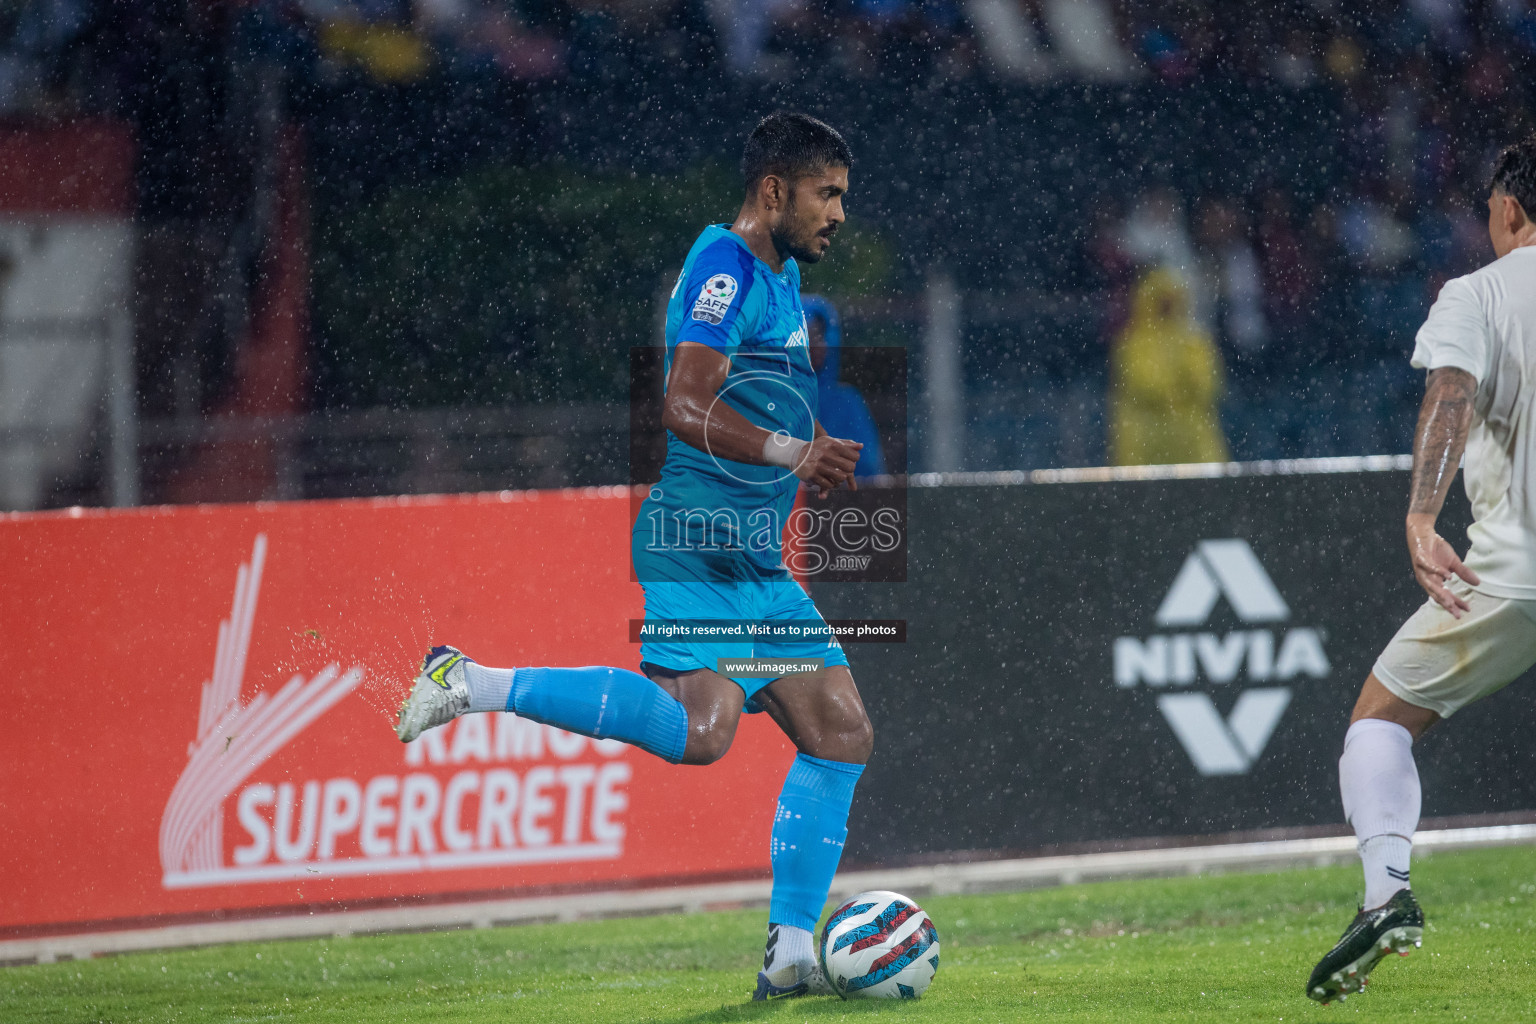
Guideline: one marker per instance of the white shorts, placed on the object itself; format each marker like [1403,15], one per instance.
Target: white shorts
[1443,663]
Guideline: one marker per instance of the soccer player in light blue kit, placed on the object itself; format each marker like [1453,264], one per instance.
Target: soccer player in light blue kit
[740,412]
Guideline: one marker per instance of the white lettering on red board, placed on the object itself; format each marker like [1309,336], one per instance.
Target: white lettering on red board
[496,808]
[487,790]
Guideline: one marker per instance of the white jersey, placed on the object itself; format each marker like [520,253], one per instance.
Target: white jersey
[1485,324]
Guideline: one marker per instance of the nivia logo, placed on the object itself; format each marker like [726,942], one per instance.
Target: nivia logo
[1214,569]
[1219,569]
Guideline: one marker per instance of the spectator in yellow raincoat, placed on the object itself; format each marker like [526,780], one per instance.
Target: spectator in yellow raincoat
[1165,379]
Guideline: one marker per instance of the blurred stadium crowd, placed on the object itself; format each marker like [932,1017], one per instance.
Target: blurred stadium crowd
[1310,172]
[53,48]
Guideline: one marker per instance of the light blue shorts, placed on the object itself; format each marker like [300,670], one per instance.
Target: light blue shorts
[767,600]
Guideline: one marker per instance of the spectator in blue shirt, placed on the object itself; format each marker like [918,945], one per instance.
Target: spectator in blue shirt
[843,412]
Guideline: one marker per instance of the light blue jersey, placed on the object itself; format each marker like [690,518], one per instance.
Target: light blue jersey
[707,544]
[710,518]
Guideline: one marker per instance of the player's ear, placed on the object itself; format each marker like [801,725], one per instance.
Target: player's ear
[1511,213]
[771,192]
[1516,216]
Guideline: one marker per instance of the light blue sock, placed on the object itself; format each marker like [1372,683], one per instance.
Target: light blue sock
[809,830]
[597,701]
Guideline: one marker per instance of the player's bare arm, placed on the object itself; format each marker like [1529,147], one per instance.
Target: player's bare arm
[1441,437]
[694,413]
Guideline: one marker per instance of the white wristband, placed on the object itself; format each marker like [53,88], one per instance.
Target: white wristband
[782,450]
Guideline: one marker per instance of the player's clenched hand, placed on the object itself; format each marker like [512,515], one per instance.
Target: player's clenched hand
[1435,562]
[827,462]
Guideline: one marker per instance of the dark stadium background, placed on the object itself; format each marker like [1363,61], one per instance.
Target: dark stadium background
[494,195]
[381,247]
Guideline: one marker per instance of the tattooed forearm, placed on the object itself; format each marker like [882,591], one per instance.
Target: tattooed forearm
[1444,420]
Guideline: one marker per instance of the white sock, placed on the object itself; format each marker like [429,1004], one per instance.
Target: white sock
[1380,785]
[1385,859]
[788,945]
[489,688]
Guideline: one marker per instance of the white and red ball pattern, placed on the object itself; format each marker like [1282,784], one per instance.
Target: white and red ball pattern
[879,945]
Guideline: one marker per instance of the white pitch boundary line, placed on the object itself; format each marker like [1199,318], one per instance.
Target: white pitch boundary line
[978,876]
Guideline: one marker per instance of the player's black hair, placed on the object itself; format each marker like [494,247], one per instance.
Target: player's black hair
[791,146]
[1514,173]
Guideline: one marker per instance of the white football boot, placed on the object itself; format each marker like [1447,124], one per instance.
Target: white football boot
[440,695]
[792,980]
[798,977]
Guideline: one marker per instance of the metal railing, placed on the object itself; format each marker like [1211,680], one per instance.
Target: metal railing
[388,451]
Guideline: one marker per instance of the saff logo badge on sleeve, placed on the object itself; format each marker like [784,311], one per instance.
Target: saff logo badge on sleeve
[715,298]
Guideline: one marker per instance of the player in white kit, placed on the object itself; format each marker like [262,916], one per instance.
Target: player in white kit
[1477,631]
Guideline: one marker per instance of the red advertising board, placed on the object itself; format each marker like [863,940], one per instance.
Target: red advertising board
[201,702]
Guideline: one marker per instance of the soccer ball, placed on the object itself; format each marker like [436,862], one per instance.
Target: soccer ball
[879,945]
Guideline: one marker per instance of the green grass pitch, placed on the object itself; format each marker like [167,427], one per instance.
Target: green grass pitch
[1226,948]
